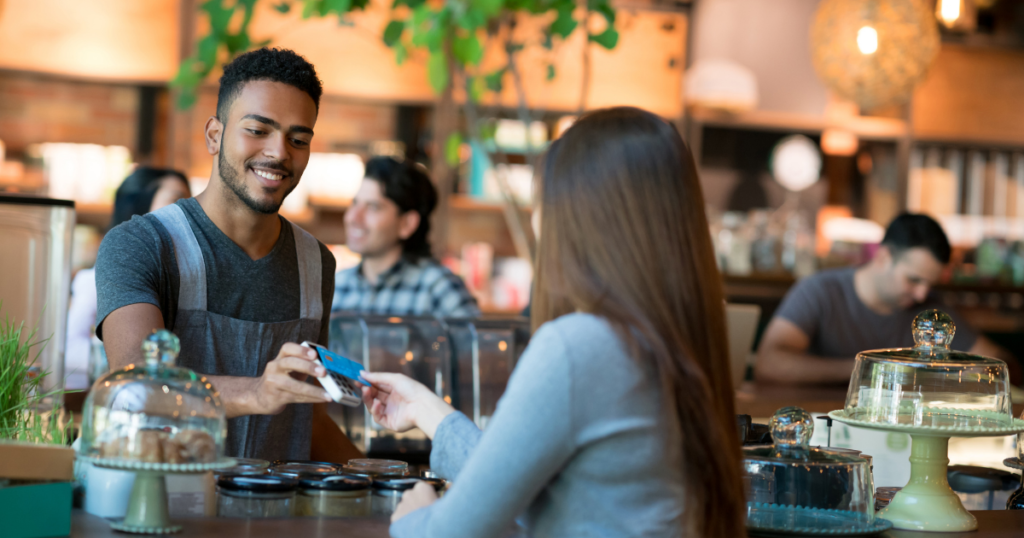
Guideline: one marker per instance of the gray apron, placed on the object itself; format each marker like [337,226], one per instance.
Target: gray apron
[213,344]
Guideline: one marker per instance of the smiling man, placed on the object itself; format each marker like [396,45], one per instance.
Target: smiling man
[825,320]
[240,285]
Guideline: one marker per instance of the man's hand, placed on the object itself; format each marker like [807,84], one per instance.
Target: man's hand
[284,381]
[421,495]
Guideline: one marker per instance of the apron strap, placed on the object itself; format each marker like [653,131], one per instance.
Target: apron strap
[191,267]
[307,249]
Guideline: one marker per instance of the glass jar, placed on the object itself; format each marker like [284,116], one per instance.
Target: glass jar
[790,473]
[245,466]
[303,469]
[334,496]
[374,468]
[387,493]
[255,496]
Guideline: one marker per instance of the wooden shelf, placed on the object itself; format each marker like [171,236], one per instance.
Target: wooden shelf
[867,127]
[468,203]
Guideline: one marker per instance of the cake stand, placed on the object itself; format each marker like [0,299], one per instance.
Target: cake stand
[927,503]
[147,506]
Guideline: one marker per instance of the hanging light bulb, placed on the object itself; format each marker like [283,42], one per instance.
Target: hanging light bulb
[949,11]
[867,40]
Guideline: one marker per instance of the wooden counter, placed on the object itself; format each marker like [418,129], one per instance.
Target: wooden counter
[991,524]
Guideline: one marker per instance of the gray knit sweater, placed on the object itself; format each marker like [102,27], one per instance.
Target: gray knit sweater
[576,447]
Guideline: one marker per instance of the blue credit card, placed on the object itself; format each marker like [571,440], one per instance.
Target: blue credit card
[340,365]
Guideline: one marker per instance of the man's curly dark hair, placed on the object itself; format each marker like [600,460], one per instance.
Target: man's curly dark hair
[277,65]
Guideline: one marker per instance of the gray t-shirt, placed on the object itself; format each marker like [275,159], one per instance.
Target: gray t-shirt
[826,308]
[136,264]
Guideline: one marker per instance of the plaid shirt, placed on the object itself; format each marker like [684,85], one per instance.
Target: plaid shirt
[421,288]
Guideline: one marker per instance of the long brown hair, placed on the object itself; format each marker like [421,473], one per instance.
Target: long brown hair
[624,236]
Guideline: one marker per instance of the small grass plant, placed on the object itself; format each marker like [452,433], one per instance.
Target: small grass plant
[26,412]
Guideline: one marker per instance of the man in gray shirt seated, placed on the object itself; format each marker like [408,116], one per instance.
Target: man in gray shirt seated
[825,320]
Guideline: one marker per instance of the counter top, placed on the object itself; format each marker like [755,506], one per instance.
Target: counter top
[991,524]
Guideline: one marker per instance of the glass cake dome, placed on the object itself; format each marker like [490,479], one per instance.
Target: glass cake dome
[930,385]
[790,473]
[154,412]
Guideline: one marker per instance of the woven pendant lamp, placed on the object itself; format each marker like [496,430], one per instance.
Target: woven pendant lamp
[873,52]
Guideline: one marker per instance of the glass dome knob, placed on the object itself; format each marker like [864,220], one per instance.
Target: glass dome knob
[933,329]
[791,427]
[161,346]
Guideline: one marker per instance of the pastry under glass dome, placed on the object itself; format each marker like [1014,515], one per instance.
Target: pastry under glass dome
[930,385]
[154,412]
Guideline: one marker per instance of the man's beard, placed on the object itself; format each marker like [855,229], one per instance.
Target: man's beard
[233,179]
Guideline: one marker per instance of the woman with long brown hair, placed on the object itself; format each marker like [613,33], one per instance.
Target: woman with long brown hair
[618,419]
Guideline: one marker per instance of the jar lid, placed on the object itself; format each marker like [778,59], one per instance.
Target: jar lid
[257,484]
[396,484]
[304,469]
[933,332]
[375,467]
[791,429]
[342,482]
[251,462]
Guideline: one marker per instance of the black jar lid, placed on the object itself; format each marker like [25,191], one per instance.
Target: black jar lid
[396,484]
[257,484]
[341,482]
[304,469]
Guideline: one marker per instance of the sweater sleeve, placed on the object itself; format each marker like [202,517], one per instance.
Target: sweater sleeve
[455,439]
[527,442]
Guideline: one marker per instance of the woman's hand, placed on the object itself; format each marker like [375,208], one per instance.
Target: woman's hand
[420,496]
[399,403]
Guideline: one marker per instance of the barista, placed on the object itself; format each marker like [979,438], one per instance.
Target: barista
[826,319]
[240,285]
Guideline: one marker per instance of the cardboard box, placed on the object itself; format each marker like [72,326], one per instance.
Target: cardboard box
[30,461]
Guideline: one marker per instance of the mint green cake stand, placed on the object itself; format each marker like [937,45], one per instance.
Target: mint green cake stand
[927,503]
[147,506]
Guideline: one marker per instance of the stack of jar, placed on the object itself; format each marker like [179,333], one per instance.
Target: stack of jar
[361,488]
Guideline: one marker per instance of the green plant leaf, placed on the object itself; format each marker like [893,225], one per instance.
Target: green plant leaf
[551,72]
[488,8]
[494,80]
[564,23]
[607,39]
[206,50]
[220,16]
[488,130]
[340,7]
[309,7]
[393,32]
[283,7]
[548,43]
[472,19]
[409,3]
[451,148]
[604,8]
[401,53]
[437,71]
[467,49]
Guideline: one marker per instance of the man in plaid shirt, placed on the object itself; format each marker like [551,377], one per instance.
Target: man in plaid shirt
[388,225]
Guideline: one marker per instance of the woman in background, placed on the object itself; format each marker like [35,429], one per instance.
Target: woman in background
[146,189]
[618,419]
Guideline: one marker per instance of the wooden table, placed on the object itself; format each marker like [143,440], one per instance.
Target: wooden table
[991,524]
[762,401]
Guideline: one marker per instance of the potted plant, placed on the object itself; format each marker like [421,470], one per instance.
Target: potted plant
[36,463]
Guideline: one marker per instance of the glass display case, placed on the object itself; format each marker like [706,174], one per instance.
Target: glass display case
[465,362]
[485,353]
[931,393]
[790,473]
[154,412]
[930,385]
